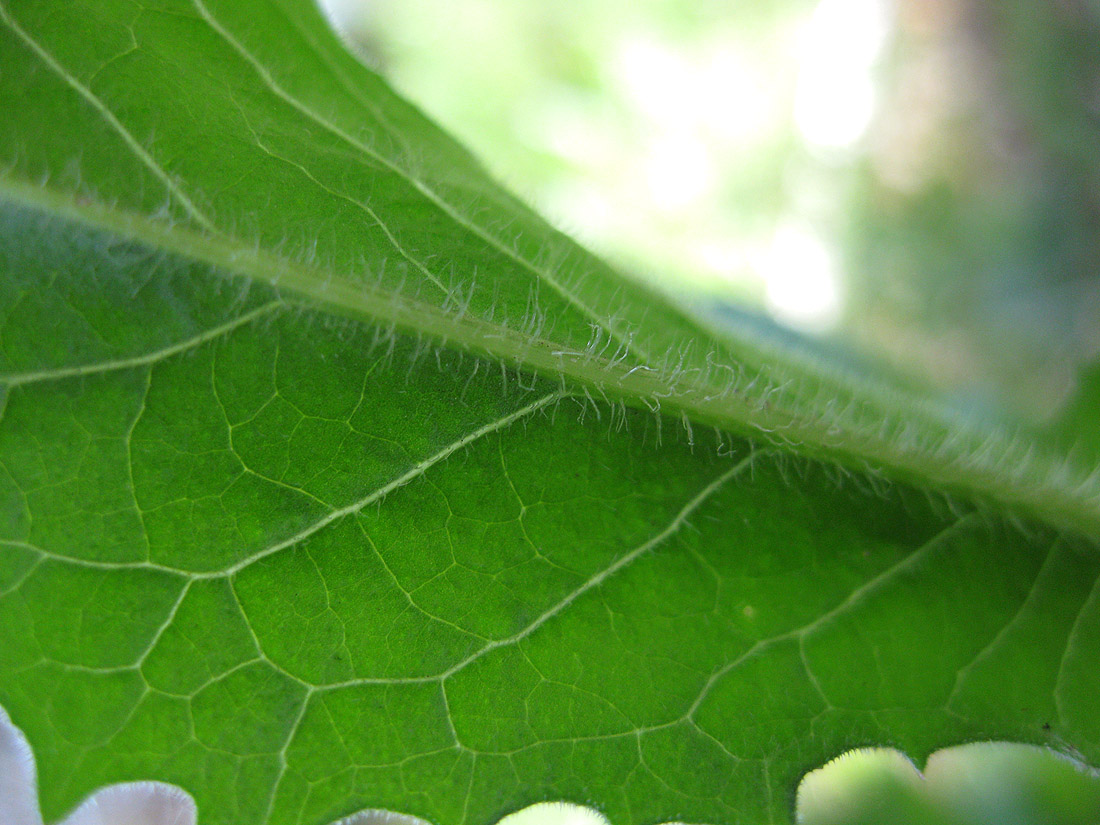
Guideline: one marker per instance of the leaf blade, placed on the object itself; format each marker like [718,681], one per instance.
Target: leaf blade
[300,562]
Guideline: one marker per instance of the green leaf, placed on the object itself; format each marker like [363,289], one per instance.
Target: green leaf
[327,479]
[1078,424]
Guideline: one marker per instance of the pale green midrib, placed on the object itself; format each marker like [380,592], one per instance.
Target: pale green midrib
[1041,487]
[269,81]
[427,192]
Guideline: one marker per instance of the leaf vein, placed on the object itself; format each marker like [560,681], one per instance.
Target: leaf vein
[1088,605]
[18,379]
[998,638]
[851,600]
[600,319]
[594,581]
[140,151]
[410,475]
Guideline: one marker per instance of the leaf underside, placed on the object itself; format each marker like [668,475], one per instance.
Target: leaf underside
[304,545]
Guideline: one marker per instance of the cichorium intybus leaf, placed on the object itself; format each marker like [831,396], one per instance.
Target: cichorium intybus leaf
[332,479]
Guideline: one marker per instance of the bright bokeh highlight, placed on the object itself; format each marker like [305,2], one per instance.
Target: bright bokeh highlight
[681,141]
[933,156]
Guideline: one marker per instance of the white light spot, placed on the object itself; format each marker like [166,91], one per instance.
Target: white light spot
[654,77]
[835,96]
[712,87]
[734,97]
[801,279]
[678,171]
[833,111]
[724,256]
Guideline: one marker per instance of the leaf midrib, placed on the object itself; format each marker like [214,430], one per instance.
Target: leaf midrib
[1042,488]
[453,214]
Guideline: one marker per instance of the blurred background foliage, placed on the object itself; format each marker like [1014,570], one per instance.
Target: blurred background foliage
[919,179]
[914,180]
